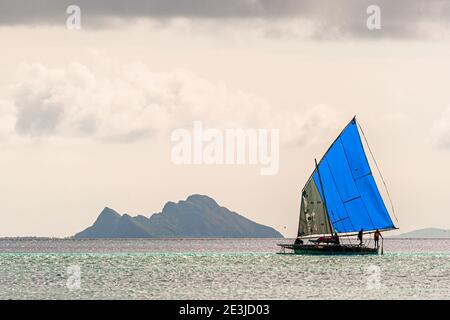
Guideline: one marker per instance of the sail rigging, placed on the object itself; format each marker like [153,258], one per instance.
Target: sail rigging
[343,177]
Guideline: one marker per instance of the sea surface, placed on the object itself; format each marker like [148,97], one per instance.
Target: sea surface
[217,269]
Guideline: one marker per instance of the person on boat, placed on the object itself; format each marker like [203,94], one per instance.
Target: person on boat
[360,237]
[335,238]
[327,239]
[376,238]
[320,240]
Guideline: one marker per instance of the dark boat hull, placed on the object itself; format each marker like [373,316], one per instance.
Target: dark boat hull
[305,249]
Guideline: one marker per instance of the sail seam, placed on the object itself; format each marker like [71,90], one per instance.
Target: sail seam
[363,176]
[334,180]
[337,189]
[354,180]
[346,201]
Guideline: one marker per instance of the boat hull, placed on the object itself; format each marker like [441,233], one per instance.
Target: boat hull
[327,249]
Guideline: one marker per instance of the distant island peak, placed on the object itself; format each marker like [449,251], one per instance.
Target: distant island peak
[199,216]
[425,233]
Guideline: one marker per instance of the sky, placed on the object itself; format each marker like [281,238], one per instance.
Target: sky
[86,114]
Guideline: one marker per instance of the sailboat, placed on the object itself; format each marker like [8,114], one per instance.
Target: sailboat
[340,200]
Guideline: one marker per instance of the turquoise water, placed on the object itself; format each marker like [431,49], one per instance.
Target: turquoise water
[217,269]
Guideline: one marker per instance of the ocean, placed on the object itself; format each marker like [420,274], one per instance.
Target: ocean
[217,269]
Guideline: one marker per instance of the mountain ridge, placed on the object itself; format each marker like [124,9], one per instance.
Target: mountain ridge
[425,233]
[198,216]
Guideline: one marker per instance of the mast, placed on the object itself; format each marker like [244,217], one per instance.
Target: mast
[324,203]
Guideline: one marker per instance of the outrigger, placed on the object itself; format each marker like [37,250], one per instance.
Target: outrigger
[341,200]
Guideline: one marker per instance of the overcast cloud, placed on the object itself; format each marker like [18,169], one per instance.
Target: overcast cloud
[330,19]
[128,102]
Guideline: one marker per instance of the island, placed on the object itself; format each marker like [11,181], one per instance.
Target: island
[198,216]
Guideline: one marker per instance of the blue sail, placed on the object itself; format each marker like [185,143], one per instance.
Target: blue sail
[352,199]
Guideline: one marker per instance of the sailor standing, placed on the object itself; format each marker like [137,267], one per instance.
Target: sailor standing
[360,237]
[376,238]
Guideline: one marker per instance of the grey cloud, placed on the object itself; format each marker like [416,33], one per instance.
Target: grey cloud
[37,117]
[440,130]
[129,137]
[121,103]
[400,18]
[128,103]
[50,11]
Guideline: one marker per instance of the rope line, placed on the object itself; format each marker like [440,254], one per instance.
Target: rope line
[379,171]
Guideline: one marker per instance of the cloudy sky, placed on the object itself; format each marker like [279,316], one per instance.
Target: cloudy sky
[86,114]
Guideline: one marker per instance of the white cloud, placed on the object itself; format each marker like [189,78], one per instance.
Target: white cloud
[310,126]
[127,102]
[120,102]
